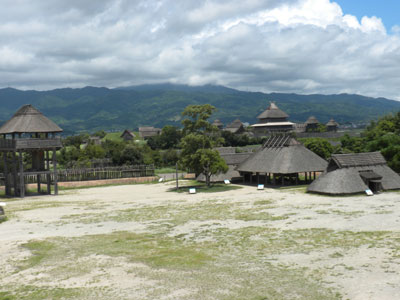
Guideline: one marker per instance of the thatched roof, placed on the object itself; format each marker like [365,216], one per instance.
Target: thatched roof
[235,127]
[273,112]
[346,172]
[29,120]
[349,180]
[148,131]
[358,159]
[332,123]
[231,175]
[283,155]
[312,120]
[235,124]
[127,134]
[218,123]
[232,160]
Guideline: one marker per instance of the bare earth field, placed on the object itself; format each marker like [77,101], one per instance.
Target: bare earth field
[144,242]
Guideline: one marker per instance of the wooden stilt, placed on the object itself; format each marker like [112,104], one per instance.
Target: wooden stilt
[258,178]
[15,177]
[21,176]
[283,180]
[55,172]
[273,179]
[251,178]
[38,182]
[48,172]
[6,182]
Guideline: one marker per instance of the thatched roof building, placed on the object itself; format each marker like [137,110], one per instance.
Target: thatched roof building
[29,132]
[148,131]
[232,159]
[235,127]
[332,125]
[282,156]
[127,135]
[272,119]
[312,120]
[29,120]
[218,124]
[311,123]
[355,173]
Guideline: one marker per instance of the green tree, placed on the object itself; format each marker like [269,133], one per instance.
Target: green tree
[319,146]
[199,139]
[169,138]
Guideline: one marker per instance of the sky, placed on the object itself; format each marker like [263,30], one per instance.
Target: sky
[291,46]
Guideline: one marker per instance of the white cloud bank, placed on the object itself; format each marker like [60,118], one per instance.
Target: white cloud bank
[304,46]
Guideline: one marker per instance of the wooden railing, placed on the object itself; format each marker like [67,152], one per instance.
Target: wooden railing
[22,143]
[91,174]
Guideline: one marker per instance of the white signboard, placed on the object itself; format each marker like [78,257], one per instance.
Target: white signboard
[369,192]
[226,181]
[192,191]
[260,187]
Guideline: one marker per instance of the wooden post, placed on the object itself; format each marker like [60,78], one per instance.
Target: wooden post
[14,166]
[48,172]
[55,172]
[297,178]
[176,175]
[258,178]
[21,176]
[273,179]
[251,177]
[38,182]
[6,183]
[283,180]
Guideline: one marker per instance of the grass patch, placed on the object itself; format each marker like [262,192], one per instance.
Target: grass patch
[208,270]
[113,136]
[156,250]
[31,292]
[40,250]
[166,171]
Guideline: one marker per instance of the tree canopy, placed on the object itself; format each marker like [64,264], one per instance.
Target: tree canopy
[200,137]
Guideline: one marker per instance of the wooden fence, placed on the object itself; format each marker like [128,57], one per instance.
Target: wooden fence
[94,174]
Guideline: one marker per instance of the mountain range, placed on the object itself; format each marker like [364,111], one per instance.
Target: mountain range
[96,108]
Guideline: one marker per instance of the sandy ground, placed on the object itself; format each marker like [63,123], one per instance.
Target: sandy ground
[363,273]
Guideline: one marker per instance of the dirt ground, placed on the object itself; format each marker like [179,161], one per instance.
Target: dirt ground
[145,242]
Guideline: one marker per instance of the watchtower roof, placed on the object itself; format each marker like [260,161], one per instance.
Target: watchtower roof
[273,112]
[29,120]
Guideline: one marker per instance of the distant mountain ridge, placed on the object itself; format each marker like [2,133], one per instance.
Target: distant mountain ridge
[95,108]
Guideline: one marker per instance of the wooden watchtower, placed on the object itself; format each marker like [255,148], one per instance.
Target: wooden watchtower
[28,145]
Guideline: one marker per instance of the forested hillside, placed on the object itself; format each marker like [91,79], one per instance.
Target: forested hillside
[92,108]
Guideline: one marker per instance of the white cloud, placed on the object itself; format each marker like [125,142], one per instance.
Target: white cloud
[304,46]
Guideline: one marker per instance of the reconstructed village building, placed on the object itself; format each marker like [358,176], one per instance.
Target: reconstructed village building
[235,127]
[272,120]
[148,131]
[355,173]
[218,124]
[311,124]
[332,125]
[127,135]
[280,161]
[232,159]
[31,136]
